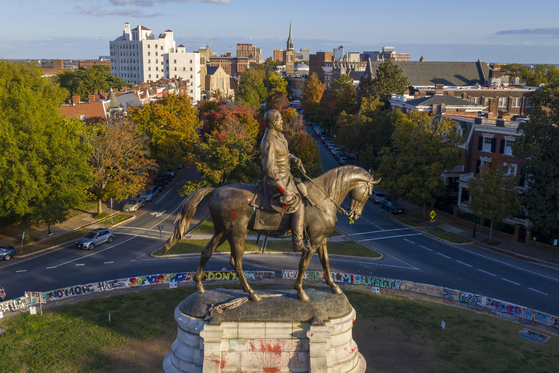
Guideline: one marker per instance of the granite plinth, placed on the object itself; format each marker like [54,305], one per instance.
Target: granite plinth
[280,334]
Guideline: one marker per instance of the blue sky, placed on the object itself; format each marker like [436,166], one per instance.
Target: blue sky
[493,31]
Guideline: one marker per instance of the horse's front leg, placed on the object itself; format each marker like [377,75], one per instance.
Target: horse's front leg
[207,252]
[303,265]
[323,255]
[237,251]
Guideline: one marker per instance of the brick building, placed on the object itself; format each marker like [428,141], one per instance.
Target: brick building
[233,66]
[251,52]
[317,61]
[91,111]
[88,64]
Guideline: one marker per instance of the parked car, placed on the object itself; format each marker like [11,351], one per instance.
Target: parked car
[170,174]
[151,193]
[133,204]
[343,160]
[179,166]
[378,196]
[94,238]
[161,182]
[2,293]
[392,207]
[7,252]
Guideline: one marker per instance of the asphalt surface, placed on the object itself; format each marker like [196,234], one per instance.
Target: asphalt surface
[408,255]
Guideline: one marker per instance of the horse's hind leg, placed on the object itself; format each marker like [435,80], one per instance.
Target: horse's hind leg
[323,255]
[207,252]
[237,251]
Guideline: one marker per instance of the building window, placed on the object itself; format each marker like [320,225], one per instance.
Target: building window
[149,76]
[157,75]
[148,53]
[184,69]
[149,46]
[82,117]
[191,69]
[156,61]
[156,68]
[190,76]
[161,47]
[149,68]
[512,168]
[508,147]
[190,61]
[175,69]
[516,102]
[503,102]
[174,61]
[486,101]
[475,100]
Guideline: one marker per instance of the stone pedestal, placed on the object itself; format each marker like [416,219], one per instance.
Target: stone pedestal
[280,334]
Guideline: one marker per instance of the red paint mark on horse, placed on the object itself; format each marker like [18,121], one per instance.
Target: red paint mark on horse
[353,320]
[234,215]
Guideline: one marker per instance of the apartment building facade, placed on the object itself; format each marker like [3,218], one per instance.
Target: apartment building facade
[139,56]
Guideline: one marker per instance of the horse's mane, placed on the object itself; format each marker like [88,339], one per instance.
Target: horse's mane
[330,181]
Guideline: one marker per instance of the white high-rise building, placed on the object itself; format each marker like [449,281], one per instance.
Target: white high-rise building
[138,56]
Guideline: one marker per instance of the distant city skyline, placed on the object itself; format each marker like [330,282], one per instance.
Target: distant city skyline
[438,30]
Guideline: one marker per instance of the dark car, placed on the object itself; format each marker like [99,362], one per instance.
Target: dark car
[392,207]
[94,238]
[7,252]
[2,293]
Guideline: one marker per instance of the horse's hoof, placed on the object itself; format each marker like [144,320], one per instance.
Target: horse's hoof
[254,297]
[303,296]
[200,289]
[337,290]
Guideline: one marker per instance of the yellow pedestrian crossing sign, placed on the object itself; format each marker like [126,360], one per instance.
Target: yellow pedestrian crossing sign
[432,215]
[351,221]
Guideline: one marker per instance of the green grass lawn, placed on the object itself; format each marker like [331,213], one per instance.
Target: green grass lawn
[448,236]
[118,218]
[394,334]
[196,246]
[339,248]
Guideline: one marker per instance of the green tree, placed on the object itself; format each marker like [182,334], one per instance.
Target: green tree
[120,161]
[539,145]
[312,94]
[389,80]
[340,98]
[423,147]
[43,162]
[85,82]
[493,194]
[170,126]
[367,132]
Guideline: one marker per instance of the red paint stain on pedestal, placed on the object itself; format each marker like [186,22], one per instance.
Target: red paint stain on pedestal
[271,369]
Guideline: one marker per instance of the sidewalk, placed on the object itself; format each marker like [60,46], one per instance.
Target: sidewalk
[509,247]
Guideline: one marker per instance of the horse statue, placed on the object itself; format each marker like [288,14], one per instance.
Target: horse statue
[234,217]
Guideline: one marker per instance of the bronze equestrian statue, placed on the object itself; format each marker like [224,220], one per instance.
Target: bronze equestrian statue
[237,209]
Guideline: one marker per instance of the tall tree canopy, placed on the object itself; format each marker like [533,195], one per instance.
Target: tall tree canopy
[534,75]
[259,84]
[539,145]
[341,97]
[85,82]
[170,126]
[423,147]
[389,80]
[493,194]
[120,161]
[312,94]
[43,160]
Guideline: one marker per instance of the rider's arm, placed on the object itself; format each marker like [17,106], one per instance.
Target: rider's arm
[269,163]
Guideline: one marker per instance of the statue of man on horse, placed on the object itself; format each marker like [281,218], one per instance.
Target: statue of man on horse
[280,204]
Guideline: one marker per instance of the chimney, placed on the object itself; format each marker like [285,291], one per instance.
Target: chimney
[91,98]
[500,118]
[450,93]
[75,100]
[416,95]
[464,95]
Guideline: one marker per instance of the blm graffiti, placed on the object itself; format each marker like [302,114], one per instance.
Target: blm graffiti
[129,282]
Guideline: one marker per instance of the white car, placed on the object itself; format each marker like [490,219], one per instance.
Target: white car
[133,204]
[151,193]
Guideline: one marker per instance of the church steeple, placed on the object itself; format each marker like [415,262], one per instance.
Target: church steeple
[290,43]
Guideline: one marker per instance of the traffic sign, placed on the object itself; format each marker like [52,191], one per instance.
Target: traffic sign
[432,220]
[432,214]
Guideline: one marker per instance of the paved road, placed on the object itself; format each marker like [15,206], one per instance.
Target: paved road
[409,255]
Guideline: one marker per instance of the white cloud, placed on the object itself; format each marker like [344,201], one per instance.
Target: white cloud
[100,11]
[152,2]
[554,31]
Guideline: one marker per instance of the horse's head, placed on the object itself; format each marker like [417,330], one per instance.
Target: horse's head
[359,195]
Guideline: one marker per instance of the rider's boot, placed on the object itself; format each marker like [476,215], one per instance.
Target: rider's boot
[297,226]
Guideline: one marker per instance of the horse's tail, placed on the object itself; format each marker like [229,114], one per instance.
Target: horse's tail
[182,222]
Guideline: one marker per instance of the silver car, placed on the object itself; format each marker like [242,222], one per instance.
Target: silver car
[94,238]
[133,204]
[151,193]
